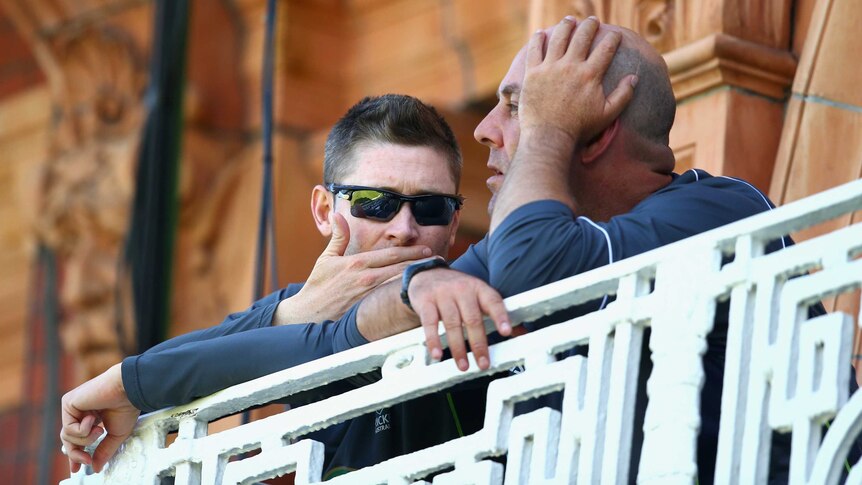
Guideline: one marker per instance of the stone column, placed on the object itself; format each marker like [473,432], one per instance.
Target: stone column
[821,146]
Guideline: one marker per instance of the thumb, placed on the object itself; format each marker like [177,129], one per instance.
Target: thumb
[619,98]
[340,235]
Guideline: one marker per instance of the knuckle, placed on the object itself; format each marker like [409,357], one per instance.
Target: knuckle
[478,346]
[356,263]
[473,322]
[366,280]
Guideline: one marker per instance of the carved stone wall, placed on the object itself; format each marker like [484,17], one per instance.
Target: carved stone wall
[95,68]
[95,59]
[732,63]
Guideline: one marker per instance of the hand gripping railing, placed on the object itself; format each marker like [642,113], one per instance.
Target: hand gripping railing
[784,372]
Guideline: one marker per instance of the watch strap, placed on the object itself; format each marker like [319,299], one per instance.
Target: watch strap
[415,268]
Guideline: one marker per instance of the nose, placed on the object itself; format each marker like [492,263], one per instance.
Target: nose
[403,229]
[488,131]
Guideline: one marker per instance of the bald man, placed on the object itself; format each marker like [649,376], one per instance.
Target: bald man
[583,177]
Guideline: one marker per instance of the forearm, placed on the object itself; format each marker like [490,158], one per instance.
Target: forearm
[258,315]
[250,320]
[540,170]
[382,313]
[196,369]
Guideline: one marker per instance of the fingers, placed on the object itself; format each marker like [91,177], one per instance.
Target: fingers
[463,314]
[619,98]
[579,46]
[389,256]
[559,41]
[340,235]
[492,305]
[79,434]
[77,457]
[75,436]
[488,302]
[602,56]
[451,316]
[534,48]
[430,321]
[378,267]
[475,329]
[106,450]
[458,301]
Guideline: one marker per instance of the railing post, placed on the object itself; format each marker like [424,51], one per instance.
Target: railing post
[677,343]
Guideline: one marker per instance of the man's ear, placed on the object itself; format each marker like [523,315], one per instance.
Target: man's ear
[322,204]
[453,229]
[600,143]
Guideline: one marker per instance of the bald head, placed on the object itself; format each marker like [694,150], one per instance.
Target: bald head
[652,109]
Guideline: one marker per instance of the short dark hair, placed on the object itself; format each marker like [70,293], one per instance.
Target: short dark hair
[391,118]
[653,106]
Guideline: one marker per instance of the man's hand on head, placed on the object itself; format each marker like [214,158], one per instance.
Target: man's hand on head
[337,281]
[562,107]
[459,301]
[562,88]
[96,406]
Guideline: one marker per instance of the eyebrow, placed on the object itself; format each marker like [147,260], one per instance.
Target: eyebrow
[508,90]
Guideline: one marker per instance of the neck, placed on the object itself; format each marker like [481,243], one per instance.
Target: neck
[605,190]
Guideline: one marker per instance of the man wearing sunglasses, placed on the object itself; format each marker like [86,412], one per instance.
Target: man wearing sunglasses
[379,220]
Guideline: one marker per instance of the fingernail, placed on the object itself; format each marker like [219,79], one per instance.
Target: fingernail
[634,81]
[426,252]
[462,364]
[436,354]
[569,18]
[483,362]
[593,17]
[505,327]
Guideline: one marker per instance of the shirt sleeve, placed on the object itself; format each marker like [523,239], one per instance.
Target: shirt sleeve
[474,261]
[542,242]
[199,368]
[258,315]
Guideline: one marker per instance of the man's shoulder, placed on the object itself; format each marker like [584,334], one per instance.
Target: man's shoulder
[699,186]
[696,201]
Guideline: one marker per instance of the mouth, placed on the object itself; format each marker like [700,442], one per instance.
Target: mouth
[495,180]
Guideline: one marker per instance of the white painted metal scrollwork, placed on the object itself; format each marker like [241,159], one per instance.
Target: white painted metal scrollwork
[784,371]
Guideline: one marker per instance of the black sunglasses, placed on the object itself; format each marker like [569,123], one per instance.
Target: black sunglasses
[382,205]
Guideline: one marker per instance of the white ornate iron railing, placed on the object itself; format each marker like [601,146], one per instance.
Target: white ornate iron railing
[783,372]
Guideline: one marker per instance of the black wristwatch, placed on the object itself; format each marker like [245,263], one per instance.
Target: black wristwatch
[413,269]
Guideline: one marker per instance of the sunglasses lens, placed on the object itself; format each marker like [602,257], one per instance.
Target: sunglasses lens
[371,204]
[433,210]
[380,205]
